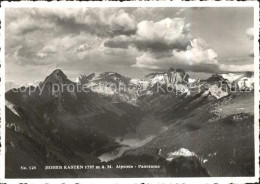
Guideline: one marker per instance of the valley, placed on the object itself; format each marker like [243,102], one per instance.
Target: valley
[149,128]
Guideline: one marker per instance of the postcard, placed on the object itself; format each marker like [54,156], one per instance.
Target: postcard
[129,92]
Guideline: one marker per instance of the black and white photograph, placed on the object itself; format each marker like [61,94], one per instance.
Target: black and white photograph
[129,92]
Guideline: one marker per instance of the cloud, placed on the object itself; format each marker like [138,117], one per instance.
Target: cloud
[154,13]
[236,68]
[49,49]
[197,54]
[147,61]
[250,33]
[83,47]
[69,33]
[121,41]
[41,55]
[96,21]
[251,54]
[40,36]
[144,38]
[27,53]
[197,57]
[158,37]
[181,11]
[27,24]
[167,33]
[121,23]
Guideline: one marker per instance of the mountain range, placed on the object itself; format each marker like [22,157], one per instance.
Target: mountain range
[208,124]
[173,80]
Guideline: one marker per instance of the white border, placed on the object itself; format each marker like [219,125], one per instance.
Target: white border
[2,96]
[63,4]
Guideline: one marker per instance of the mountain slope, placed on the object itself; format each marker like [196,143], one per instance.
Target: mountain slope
[220,132]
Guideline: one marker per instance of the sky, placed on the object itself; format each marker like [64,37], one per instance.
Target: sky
[130,41]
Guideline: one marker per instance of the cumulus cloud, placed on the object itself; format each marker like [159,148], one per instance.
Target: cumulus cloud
[27,24]
[159,37]
[250,33]
[197,53]
[61,31]
[147,61]
[171,33]
[26,53]
[97,21]
[121,22]
[197,57]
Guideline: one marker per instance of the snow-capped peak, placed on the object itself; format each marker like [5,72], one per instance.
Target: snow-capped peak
[109,84]
[190,80]
[244,81]
[183,152]
[231,77]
